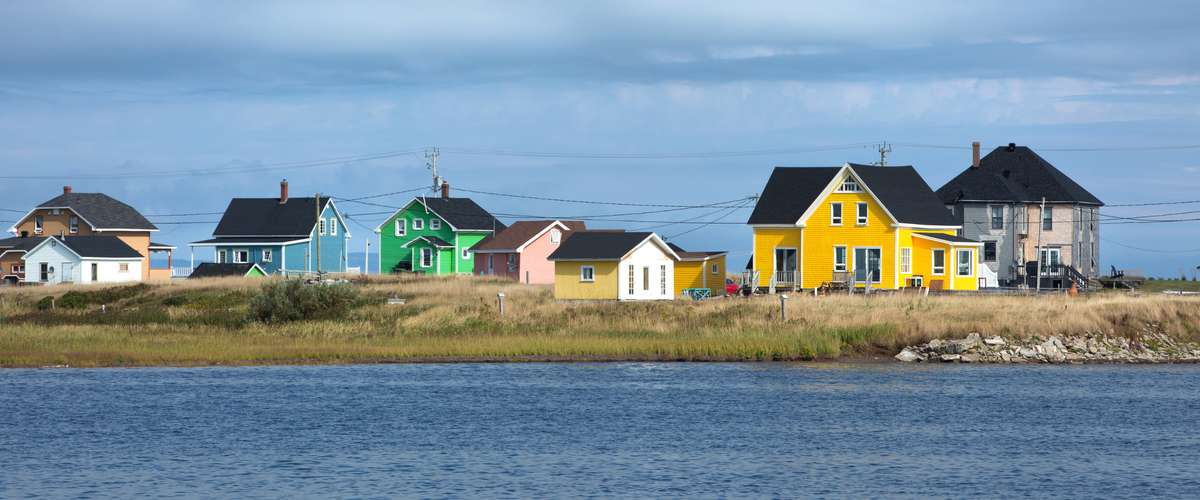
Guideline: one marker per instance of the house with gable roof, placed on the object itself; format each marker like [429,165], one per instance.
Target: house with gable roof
[998,200]
[282,235]
[878,227]
[434,235]
[521,251]
[614,265]
[82,259]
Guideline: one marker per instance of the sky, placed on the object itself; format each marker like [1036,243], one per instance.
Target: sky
[634,99]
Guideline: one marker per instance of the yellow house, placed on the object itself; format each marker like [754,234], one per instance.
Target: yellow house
[614,265]
[860,223]
[699,270]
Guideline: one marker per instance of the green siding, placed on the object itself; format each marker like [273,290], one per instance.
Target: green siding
[449,261]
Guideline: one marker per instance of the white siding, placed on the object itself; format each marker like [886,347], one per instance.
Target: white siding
[652,256]
[54,255]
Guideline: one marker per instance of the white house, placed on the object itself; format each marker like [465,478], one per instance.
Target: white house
[599,265]
[82,259]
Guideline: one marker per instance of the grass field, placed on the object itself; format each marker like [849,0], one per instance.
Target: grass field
[1177,285]
[206,322]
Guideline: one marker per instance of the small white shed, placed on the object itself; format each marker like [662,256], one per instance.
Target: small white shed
[82,259]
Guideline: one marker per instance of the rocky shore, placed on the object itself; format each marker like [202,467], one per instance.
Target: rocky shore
[1145,348]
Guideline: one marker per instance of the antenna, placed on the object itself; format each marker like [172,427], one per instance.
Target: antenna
[884,148]
[431,154]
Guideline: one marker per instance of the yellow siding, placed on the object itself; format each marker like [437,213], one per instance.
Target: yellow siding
[820,236]
[568,286]
[923,262]
[965,282]
[692,274]
[766,240]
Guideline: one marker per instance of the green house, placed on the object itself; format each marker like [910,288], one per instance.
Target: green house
[434,235]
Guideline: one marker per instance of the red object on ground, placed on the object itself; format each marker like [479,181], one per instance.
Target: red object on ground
[731,288]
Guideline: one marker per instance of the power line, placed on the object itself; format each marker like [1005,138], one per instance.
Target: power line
[11,210]
[222,170]
[583,202]
[650,156]
[1153,250]
[1153,204]
[1061,149]
[718,219]
[184,215]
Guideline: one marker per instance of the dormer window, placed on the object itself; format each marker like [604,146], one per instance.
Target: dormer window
[37,224]
[74,225]
[333,227]
[555,236]
[849,185]
[321,227]
[435,224]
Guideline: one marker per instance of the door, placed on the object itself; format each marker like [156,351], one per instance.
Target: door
[867,264]
[95,272]
[785,265]
[44,272]
[68,272]
[1051,258]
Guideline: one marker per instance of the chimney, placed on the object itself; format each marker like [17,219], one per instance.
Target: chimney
[283,192]
[445,190]
[975,154]
[66,189]
[1012,146]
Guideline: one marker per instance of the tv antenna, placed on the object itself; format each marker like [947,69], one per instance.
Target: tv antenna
[884,148]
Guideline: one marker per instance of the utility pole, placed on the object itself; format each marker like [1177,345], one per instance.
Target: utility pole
[1041,225]
[431,155]
[317,204]
[367,256]
[884,148]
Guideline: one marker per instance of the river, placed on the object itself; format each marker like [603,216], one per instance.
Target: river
[602,429]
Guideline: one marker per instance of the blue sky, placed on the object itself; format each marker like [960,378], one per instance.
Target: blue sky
[92,89]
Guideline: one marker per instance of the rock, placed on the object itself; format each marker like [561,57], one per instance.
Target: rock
[1026,352]
[950,358]
[969,358]
[994,341]
[908,356]
[936,344]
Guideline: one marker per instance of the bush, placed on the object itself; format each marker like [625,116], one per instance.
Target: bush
[293,300]
[45,304]
[73,300]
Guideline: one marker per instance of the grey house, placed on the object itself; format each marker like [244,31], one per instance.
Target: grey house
[998,200]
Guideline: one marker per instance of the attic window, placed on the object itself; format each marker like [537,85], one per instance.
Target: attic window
[849,185]
[435,224]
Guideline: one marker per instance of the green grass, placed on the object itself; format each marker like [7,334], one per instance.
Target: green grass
[1176,285]
[455,319]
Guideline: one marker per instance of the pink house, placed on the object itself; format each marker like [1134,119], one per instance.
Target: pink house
[520,252]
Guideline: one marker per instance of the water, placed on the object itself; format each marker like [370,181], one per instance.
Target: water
[630,430]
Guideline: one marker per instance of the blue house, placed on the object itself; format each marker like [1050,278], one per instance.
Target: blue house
[281,234]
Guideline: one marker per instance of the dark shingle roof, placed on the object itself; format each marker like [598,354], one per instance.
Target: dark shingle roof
[243,240]
[100,210]
[1014,174]
[946,237]
[598,245]
[791,190]
[432,240]
[19,244]
[267,217]
[109,247]
[217,270]
[520,232]
[463,213]
[686,255]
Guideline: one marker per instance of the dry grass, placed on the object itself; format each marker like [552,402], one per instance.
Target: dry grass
[204,322]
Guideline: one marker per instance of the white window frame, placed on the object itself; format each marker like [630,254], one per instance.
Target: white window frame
[1048,218]
[401,228]
[716,269]
[123,267]
[632,269]
[426,257]
[435,224]
[840,267]
[587,274]
[267,254]
[835,219]
[918,281]
[933,267]
[238,251]
[860,212]
[466,253]
[849,185]
[866,253]
[39,223]
[992,216]
[418,224]
[662,279]
[73,224]
[16,268]
[645,278]
[555,236]
[321,227]
[332,226]
[222,256]
[958,262]
[906,260]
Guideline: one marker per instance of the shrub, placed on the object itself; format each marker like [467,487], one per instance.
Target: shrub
[293,300]
[73,300]
[46,303]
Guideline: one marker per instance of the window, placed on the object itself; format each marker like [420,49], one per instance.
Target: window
[466,253]
[332,226]
[418,224]
[241,256]
[997,217]
[512,262]
[1051,258]
[221,257]
[321,227]
[862,213]
[662,280]
[839,259]
[18,268]
[491,267]
[1048,219]
[587,274]
[989,251]
[401,227]
[37,224]
[426,257]
[74,224]
[630,280]
[266,255]
[124,267]
[555,236]
[916,282]
[716,269]
[939,261]
[835,214]
[906,260]
[645,278]
[435,224]
[849,185]
[867,262]
[95,272]
[965,262]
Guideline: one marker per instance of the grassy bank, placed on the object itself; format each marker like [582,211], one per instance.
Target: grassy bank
[208,322]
